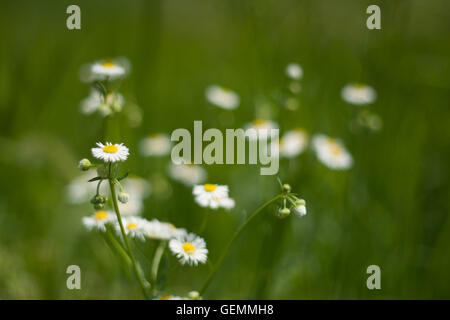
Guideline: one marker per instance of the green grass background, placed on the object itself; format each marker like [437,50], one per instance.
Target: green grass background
[391,209]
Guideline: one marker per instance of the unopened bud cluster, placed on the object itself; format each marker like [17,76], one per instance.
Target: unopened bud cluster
[291,203]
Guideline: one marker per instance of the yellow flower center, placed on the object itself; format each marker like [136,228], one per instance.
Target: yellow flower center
[334,147]
[108,64]
[100,215]
[165,297]
[132,226]
[110,148]
[210,187]
[188,248]
[258,122]
[358,85]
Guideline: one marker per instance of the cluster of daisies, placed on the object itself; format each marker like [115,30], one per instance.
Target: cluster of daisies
[104,98]
[187,247]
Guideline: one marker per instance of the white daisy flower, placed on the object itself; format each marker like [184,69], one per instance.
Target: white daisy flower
[359,94]
[188,174]
[222,97]
[332,152]
[262,129]
[213,196]
[294,71]
[91,104]
[134,226]
[157,144]
[189,249]
[293,143]
[99,220]
[110,152]
[107,69]
[158,230]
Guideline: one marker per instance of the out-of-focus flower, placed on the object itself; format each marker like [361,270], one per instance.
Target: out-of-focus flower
[294,71]
[332,152]
[158,230]
[79,191]
[189,249]
[358,94]
[92,102]
[188,174]
[157,144]
[99,220]
[106,69]
[222,97]
[212,196]
[369,120]
[293,143]
[110,152]
[138,188]
[134,226]
[168,297]
[262,129]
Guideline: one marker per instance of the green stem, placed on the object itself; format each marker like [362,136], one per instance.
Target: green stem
[155,265]
[125,238]
[204,222]
[235,236]
[118,247]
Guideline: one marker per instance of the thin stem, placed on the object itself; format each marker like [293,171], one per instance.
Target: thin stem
[155,265]
[235,236]
[204,222]
[118,247]
[125,238]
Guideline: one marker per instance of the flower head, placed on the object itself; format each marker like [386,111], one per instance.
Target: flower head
[110,152]
[261,129]
[106,69]
[189,249]
[294,71]
[332,152]
[99,220]
[187,174]
[358,94]
[134,226]
[157,144]
[293,143]
[213,196]
[158,230]
[222,97]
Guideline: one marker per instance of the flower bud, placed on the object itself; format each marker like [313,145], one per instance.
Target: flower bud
[286,188]
[300,209]
[99,206]
[84,164]
[123,196]
[194,295]
[283,212]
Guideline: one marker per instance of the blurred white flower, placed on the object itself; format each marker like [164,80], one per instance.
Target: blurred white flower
[189,249]
[106,69]
[79,190]
[213,196]
[138,188]
[358,93]
[92,103]
[169,297]
[187,174]
[157,144]
[158,230]
[134,226]
[294,71]
[110,152]
[263,129]
[222,97]
[332,152]
[99,220]
[293,143]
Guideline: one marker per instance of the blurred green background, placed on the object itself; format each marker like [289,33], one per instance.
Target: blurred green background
[391,209]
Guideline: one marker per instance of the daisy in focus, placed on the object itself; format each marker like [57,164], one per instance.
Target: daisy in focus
[187,174]
[213,196]
[110,152]
[157,144]
[293,143]
[222,97]
[294,71]
[134,226]
[332,152]
[99,220]
[189,249]
[358,94]
[261,129]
